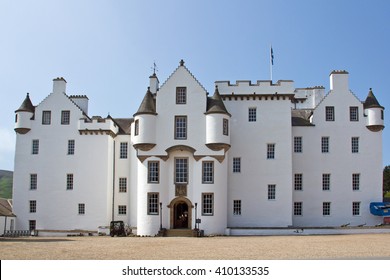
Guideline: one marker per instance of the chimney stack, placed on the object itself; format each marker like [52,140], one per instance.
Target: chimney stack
[59,85]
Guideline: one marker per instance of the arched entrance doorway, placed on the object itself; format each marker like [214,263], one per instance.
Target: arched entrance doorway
[181,213]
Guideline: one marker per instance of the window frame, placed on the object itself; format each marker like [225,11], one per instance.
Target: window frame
[122,185]
[330,113]
[298,208]
[153,172]
[81,208]
[71,146]
[181,127]
[252,114]
[271,150]
[326,208]
[354,113]
[65,117]
[35,147]
[153,201]
[236,165]
[181,95]
[181,171]
[355,145]
[356,181]
[225,127]
[208,204]
[33,181]
[208,172]
[136,127]
[46,117]
[271,192]
[122,210]
[32,206]
[69,181]
[325,144]
[326,177]
[123,150]
[298,144]
[237,207]
[298,182]
[356,208]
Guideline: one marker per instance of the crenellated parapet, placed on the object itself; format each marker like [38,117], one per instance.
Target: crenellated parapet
[260,87]
[98,126]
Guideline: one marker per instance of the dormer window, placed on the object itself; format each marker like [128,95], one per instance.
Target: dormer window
[181,95]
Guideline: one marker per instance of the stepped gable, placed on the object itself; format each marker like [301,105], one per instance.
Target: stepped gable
[148,105]
[371,101]
[215,104]
[26,106]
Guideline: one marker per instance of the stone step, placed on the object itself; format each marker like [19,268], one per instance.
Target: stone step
[179,233]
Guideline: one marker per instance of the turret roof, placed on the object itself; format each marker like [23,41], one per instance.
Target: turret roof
[371,101]
[148,105]
[26,106]
[215,104]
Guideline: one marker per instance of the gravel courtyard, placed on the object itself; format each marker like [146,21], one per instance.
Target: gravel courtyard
[359,246]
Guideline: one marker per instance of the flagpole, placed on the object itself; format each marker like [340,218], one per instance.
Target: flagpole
[271,61]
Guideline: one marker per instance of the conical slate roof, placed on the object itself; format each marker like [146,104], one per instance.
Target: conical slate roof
[215,104]
[371,101]
[148,105]
[26,106]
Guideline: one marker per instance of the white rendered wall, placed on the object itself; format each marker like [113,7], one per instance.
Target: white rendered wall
[249,142]
[340,162]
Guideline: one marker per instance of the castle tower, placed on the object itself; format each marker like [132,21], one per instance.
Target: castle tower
[374,112]
[24,115]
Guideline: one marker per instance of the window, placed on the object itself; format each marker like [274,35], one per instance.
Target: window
[33,181]
[136,127]
[35,147]
[207,172]
[329,113]
[33,206]
[326,209]
[123,150]
[236,165]
[65,117]
[122,210]
[207,204]
[355,181]
[153,172]
[32,225]
[356,208]
[69,181]
[225,128]
[181,170]
[81,208]
[252,113]
[122,185]
[325,182]
[270,151]
[237,207]
[46,117]
[354,114]
[71,146]
[180,127]
[271,192]
[298,182]
[297,144]
[153,201]
[181,95]
[382,115]
[325,144]
[297,208]
[355,145]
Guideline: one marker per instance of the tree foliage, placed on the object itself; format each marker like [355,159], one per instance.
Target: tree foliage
[386,179]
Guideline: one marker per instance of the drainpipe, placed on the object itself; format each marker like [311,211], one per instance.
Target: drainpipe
[113,184]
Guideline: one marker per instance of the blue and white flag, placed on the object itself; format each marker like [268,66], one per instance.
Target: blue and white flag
[272,56]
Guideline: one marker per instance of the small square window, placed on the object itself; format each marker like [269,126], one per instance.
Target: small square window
[122,210]
[329,113]
[81,208]
[181,95]
[252,114]
[46,117]
[65,117]
[354,114]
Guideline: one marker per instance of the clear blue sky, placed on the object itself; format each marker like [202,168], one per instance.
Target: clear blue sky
[105,49]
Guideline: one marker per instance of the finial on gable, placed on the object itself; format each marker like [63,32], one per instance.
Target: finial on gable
[182,62]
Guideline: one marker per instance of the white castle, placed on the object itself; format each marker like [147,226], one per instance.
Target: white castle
[252,155]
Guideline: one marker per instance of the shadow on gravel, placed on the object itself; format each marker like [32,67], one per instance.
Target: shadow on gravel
[32,240]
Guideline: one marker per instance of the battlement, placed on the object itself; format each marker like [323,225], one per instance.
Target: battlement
[260,87]
[98,125]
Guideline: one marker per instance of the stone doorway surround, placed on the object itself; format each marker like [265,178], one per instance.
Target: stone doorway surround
[173,205]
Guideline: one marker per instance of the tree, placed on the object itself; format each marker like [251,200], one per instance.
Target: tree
[386,179]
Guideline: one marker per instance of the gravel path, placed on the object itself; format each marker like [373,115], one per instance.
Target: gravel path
[359,246]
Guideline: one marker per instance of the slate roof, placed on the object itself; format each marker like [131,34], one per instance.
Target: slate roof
[123,124]
[371,101]
[148,105]
[26,106]
[301,117]
[6,208]
[215,104]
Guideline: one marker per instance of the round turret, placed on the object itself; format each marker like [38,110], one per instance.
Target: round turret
[217,123]
[23,116]
[374,113]
[144,129]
